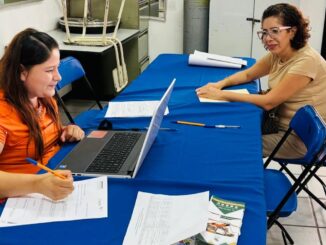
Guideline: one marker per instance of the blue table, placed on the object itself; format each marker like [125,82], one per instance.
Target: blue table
[228,162]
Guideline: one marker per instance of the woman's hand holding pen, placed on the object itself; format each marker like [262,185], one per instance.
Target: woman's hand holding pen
[54,187]
[72,133]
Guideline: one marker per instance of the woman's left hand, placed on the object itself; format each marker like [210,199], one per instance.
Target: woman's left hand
[72,133]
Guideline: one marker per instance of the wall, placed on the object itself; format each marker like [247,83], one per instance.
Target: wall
[315,11]
[41,15]
[167,36]
[164,37]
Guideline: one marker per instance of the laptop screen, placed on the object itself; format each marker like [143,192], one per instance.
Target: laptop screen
[154,126]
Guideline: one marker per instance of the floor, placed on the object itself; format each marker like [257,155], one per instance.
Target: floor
[307,226]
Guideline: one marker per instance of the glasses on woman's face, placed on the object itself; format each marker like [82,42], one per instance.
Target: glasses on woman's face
[272,32]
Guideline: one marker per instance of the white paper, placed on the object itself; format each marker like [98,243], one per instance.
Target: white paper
[214,60]
[162,219]
[239,91]
[133,109]
[222,58]
[87,201]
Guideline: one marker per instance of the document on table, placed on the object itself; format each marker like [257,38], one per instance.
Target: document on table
[89,200]
[240,91]
[162,219]
[133,109]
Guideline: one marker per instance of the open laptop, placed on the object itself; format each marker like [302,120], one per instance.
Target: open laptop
[117,154]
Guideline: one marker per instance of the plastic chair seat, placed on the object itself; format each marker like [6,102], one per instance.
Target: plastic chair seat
[277,185]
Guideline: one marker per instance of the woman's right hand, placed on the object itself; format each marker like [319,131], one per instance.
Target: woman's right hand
[54,187]
[217,85]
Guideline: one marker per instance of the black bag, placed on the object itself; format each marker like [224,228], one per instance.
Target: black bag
[105,124]
[270,122]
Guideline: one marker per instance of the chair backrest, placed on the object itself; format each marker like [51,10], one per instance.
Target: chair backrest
[311,129]
[70,70]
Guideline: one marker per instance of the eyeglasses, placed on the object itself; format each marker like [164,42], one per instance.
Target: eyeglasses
[272,32]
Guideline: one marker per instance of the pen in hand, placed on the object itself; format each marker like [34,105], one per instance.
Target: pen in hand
[30,160]
[206,126]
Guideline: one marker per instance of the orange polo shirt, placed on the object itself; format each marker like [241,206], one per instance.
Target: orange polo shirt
[14,135]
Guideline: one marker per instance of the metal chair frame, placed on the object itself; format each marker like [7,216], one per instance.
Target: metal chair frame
[311,167]
[120,75]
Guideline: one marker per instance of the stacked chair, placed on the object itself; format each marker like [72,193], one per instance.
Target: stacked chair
[120,74]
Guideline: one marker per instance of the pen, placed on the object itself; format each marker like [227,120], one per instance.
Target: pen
[145,128]
[206,126]
[30,160]
[165,129]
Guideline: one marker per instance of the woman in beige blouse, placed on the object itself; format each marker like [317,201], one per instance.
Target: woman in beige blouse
[296,75]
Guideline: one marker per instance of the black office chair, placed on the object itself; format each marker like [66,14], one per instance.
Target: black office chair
[281,195]
[71,71]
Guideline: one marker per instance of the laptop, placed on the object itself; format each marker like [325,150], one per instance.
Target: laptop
[113,153]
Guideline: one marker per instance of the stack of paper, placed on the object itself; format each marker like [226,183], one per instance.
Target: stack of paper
[162,219]
[206,59]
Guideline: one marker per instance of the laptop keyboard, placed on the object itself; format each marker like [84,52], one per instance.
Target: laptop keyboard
[114,153]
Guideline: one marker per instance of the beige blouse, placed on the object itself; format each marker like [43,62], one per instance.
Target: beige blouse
[306,62]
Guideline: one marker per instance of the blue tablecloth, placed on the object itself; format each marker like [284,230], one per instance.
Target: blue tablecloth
[228,162]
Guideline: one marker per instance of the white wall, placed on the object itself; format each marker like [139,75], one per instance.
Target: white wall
[164,37]
[167,36]
[315,12]
[41,15]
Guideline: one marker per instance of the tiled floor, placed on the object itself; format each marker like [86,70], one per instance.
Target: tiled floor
[307,226]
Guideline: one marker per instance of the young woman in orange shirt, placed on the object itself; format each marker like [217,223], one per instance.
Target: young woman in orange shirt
[29,117]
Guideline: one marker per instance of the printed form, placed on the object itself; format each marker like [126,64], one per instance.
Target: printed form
[133,109]
[162,219]
[89,200]
[239,91]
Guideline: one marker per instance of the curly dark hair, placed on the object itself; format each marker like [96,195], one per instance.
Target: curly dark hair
[290,16]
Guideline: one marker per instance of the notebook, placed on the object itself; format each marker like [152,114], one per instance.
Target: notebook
[113,153]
